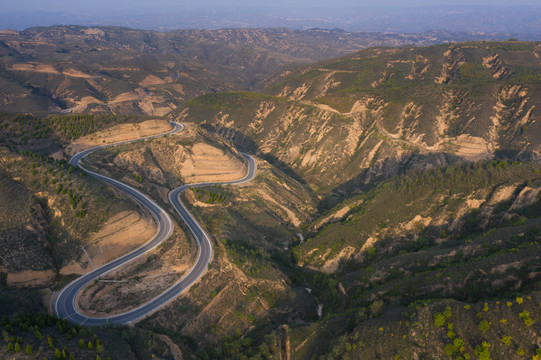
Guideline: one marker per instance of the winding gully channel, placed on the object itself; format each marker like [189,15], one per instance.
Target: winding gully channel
[66,306]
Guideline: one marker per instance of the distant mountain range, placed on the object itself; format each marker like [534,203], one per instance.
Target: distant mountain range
[524,22]
[120,70]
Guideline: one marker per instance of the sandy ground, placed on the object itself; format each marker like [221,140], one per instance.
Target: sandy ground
[127,96]
[77,74]
[207,163]
[41,68]
[178,88]
[29,278]
[472,148]
[152,80]
[119,133]
[48,69]
[138,281]
[121,234]
[104,299]
[87,100]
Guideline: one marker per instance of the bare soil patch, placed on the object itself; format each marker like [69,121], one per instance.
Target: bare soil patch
[118,133]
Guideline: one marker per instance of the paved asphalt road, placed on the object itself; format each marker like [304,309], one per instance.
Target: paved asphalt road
[65,304]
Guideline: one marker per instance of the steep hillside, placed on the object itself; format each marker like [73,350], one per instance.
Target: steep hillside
[469,233]
[63,219]
[345,123]
[54,219]
[503,328]
[120,70]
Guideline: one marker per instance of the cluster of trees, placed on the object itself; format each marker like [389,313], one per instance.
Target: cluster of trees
[74,126]
[456,348]
[22,127]
[242,254]
[73,198]
[239,347]
[37,324]
[461,177]
[209,197]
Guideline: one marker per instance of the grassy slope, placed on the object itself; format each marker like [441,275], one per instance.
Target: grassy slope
[22,239]
[487,258]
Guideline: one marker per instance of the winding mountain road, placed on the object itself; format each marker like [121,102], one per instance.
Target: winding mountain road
[65,305]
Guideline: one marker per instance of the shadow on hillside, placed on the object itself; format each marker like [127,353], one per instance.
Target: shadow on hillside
[383,171]
[391,167]
[246,144]
[368,178]
[441,249]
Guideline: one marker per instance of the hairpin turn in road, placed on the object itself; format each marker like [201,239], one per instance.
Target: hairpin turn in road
[65,305]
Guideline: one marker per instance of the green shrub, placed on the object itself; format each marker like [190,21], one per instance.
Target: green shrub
[459,344]
[482,351]
[450,349]
[439,319]
[484,326]
[447,312]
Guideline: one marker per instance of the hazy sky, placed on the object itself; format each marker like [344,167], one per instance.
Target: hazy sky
[521,17]
[115,5]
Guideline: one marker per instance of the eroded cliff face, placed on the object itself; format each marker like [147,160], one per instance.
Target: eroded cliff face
[377,113]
